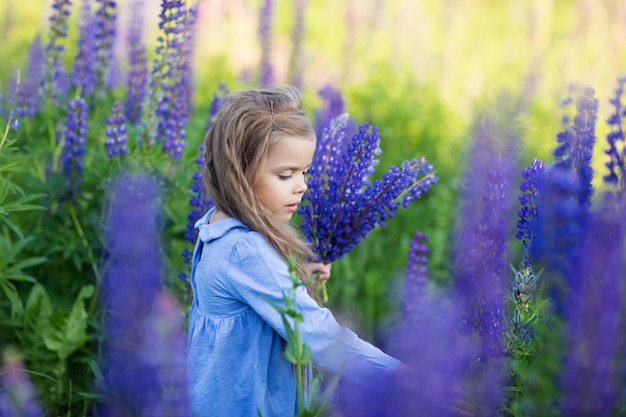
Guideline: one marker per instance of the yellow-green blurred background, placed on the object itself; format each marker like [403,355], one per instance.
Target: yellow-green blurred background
[468,48]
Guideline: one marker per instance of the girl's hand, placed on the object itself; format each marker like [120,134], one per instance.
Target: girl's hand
[323,269]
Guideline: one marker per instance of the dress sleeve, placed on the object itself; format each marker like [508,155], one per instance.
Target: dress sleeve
[259,275]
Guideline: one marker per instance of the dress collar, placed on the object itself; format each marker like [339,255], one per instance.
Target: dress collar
[209,231]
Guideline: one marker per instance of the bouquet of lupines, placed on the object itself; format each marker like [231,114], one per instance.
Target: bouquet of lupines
[343,204]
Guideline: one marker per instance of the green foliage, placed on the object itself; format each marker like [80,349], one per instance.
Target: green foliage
[12,267]
[300,355]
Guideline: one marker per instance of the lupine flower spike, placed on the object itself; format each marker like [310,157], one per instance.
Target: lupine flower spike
[479,251]
[592,379]
[29,100]
[265,35]
[342,205]
[138,61]
[142,328]
[295,60]
[105,21]
[332,107]
[577,140]
[173,68]
[566,199]
[18,396]
[55,82]
[529,211]
[116,131]
[416,278]
[615,139]
[524,282]
[84,75]
[73,137]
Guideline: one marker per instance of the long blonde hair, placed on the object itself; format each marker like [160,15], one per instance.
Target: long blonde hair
[236,146]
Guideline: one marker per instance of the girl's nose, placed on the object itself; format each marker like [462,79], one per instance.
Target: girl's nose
[301,185]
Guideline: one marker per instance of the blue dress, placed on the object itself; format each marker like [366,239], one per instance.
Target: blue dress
[236,365]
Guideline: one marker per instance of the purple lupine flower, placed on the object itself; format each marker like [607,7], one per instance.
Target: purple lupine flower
[28,100]
[479,248]
[592,383]
[141,328]
[529,210]
[105,21]
[116,131]
[416,278]
[266,16]
[171,77]
[342,205]
[332,107]
[163,347]
[18,396]
[138,59]
[438,357]
[199,202]
[16,124]
[74,134]
[219,98]
[54,81]
[13,92]
[615,139]
[576,142]
[84,75]
[297,36]
[561,231]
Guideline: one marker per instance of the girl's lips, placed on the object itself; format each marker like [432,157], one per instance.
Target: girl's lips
[292,207]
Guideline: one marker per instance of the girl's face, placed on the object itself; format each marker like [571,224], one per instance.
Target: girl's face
[281,182]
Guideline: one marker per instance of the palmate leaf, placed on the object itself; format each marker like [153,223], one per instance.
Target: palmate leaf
[11,225]
[22,203]
[68,331]
[9,290]
[11,266]
[38,310]
[11,269]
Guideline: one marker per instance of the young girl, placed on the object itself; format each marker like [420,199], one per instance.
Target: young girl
[257,152]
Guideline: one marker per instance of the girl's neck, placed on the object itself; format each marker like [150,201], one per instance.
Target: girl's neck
[217,216]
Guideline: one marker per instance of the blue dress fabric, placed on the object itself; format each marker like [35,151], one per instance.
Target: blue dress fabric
[236,365]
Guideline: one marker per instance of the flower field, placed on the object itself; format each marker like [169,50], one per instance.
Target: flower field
[469,187]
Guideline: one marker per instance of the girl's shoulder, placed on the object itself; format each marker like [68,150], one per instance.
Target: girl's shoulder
[233,233]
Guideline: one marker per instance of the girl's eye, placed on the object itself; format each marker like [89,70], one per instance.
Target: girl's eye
[284,177]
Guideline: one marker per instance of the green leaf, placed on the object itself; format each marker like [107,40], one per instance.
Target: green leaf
[4,189]
[25,263]
[301,355]
[17,308]
[12,225]
[69,332]
[18,277]
[37,312]
[100,381]
[20,203]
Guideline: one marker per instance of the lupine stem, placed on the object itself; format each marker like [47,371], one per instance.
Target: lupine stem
[92,258]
